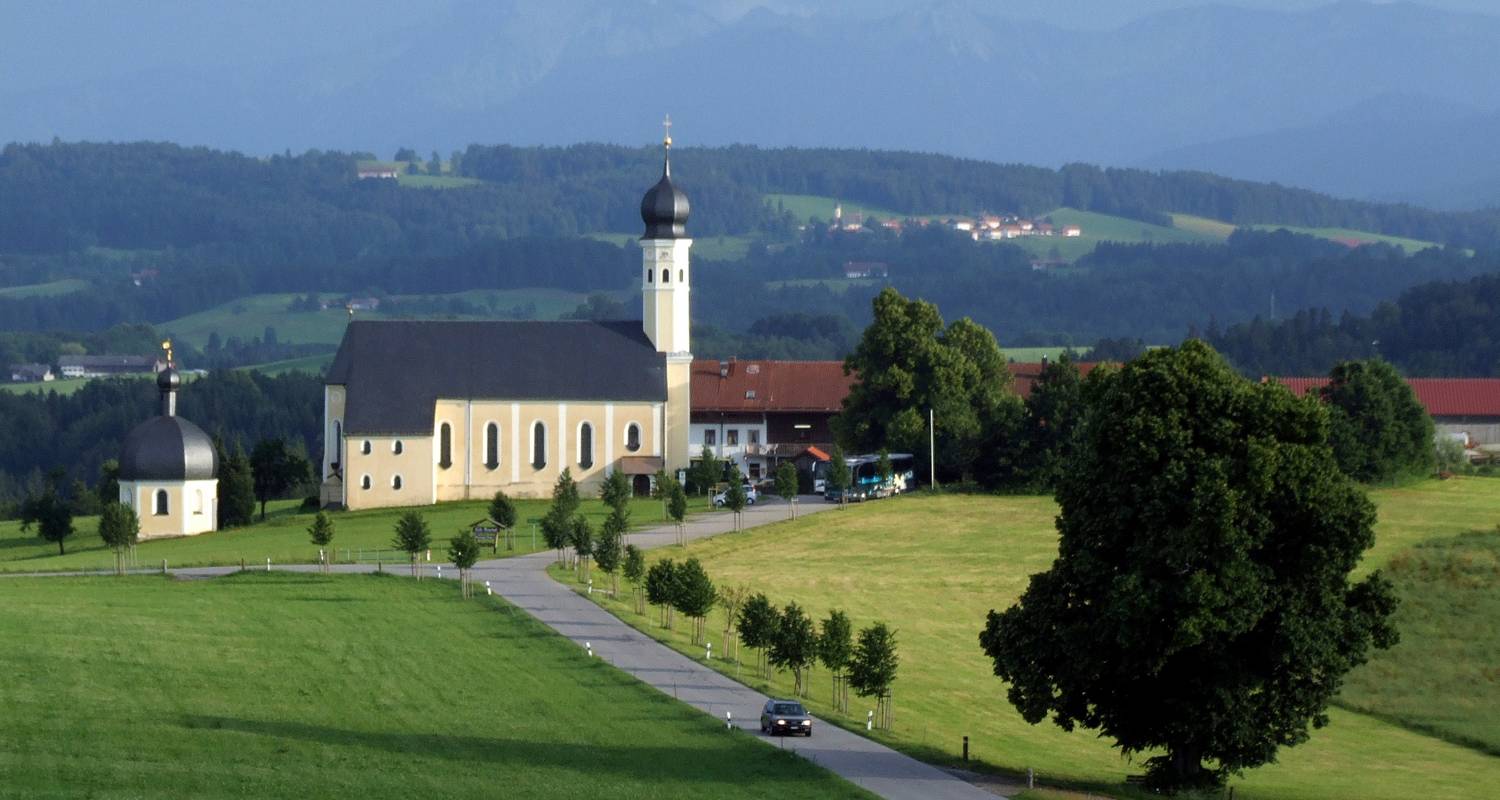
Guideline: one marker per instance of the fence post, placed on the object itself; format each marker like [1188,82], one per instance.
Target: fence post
[966,748]
[164,566]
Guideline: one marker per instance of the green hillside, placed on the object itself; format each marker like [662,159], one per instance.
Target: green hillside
[1353,237]
[50,289]
[248,317]
[803,206]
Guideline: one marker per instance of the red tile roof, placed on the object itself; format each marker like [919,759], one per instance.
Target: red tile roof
[799,385]
[776,386]
[1442,397]
[1026,374]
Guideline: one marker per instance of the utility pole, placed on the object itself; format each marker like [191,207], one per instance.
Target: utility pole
[931,451]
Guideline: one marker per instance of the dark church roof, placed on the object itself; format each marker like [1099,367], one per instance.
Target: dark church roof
[395,370]
[167,447]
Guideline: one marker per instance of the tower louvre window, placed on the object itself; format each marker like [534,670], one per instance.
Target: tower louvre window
[666,275]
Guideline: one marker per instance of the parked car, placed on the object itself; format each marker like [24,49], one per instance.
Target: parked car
[750,496]
[781,717]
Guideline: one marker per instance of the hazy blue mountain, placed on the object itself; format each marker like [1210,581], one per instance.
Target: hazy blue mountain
[1414,149]
[1203,85]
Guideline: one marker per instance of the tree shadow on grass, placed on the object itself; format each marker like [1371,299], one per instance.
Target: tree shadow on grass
[709,761]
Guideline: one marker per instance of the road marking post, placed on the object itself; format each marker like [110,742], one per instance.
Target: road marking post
[268,563]
[869,720]
[728,721]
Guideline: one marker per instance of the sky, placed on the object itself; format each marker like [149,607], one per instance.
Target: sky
[57,43]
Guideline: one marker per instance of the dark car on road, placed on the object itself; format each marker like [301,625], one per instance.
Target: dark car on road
[781,717]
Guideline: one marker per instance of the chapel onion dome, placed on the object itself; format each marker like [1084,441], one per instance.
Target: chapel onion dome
[664,209]
[167,447]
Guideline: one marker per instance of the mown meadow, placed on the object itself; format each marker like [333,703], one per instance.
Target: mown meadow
[1417,721]
[286,685]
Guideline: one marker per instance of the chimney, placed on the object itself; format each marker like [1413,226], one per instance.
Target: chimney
[723,368]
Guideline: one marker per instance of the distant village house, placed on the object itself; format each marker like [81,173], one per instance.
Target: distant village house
[31,373]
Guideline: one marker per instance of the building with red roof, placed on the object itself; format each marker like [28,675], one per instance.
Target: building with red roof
[761,412]
[1469,406]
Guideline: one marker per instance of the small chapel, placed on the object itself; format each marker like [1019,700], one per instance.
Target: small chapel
[168,469]
[419,412]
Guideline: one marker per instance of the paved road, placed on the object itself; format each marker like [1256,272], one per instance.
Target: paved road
[523,580]
[874,766]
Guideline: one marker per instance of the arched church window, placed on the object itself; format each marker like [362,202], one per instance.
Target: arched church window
[162,507]
[445,445]
[666,275]
[492,445]
[649,271]
[365,447]
[198,502]
[397,447]
[539,445]
[632,437]
[396,482]
[680,275]
[364,483]
[585,445]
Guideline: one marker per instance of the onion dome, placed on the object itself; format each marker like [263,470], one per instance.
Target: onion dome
[167,447]
[664,209]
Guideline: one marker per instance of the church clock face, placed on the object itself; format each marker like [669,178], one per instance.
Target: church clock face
[662,255]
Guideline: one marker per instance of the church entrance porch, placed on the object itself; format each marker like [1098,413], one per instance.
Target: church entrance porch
[640,485]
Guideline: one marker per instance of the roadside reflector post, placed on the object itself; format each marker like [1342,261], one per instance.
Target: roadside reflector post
[164,566]
[268,563]
[869,720]
[728,720]
[591,587]
[429,554]
[709,652]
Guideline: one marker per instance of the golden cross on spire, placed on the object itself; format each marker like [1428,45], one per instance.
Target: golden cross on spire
[167,346]
[666,125]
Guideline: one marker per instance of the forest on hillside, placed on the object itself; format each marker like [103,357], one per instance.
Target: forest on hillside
[150,232]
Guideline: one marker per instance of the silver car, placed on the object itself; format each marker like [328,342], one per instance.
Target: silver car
[781,717]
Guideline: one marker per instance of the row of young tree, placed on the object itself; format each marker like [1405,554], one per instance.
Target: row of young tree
[910,363]
[786,638]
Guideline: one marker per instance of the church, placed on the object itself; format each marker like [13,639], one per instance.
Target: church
[420,412]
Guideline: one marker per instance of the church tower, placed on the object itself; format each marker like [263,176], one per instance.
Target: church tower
[666,282]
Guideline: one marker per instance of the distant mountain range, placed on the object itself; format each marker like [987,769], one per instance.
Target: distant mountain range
[1384,101]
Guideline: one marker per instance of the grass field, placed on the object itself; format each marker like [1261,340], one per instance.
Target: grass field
[63,386]
[717,248]
[1347,235]
[283,537]
[303,686]
[1444,675]
[422,181]
[835,285]
[1211,228]
[803,206]
[932,566]
[1032,355]
[314,365]
[52,289]
[248,317]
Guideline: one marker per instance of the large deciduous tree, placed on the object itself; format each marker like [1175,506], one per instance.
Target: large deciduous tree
[236,490]
[908,363]
[277,469]
[1201,600]
[50,512]
[1378,429]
